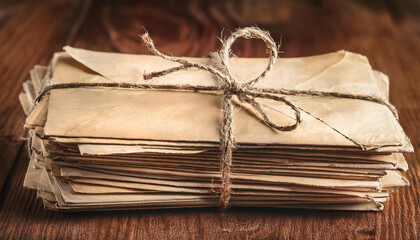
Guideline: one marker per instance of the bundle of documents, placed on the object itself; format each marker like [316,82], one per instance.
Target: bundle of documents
[101,148]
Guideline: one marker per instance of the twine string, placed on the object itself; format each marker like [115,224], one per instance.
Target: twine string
[231,87]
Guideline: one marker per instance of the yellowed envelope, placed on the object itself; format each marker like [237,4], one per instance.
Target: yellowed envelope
[187,116]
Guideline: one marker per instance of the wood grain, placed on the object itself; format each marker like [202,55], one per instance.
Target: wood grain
[387,32]
[30,33]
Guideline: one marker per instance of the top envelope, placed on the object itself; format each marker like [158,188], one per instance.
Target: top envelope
[164,115]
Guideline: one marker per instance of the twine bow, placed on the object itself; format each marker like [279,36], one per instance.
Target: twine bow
[230,87]
[245,92]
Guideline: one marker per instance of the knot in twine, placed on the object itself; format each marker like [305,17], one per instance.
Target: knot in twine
[231,87]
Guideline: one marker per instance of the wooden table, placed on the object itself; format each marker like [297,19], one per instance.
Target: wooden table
[387,32]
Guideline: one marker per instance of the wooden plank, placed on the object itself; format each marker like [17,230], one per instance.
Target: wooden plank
[29,34]
[388,36]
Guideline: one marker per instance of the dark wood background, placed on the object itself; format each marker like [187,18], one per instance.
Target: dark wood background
[387,32]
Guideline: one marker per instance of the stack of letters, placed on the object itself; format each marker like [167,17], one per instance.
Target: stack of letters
[100,148]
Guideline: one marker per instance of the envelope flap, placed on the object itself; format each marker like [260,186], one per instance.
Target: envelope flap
[339,71]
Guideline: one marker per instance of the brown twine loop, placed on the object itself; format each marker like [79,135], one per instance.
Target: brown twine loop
[230,87]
